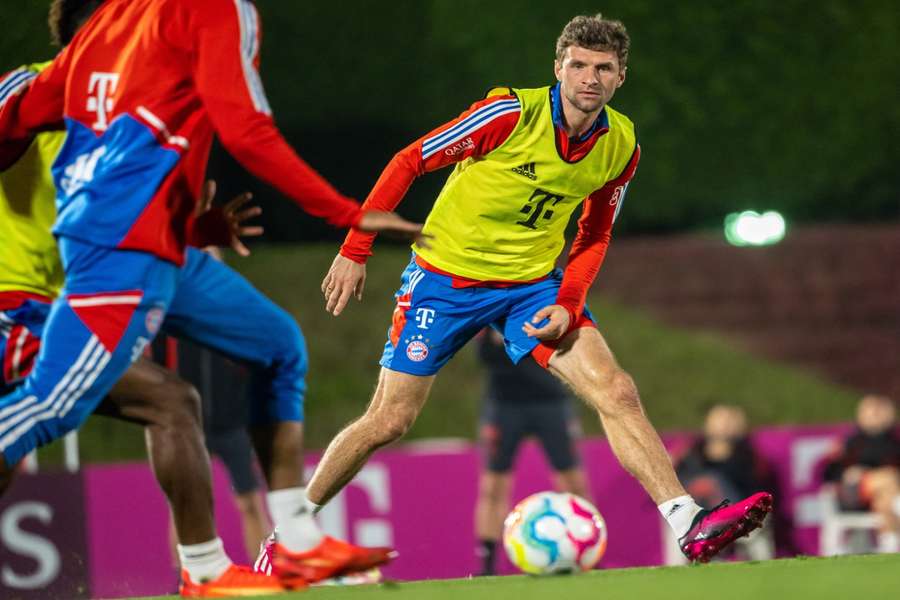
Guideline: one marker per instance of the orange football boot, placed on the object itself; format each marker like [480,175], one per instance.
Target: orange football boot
[236,581]
[331,558]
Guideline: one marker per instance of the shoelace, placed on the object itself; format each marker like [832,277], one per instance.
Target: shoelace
[701,515]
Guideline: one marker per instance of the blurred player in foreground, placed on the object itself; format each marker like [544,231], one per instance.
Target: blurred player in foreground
[149,395]
[520,400]
[141,90]
[525,160]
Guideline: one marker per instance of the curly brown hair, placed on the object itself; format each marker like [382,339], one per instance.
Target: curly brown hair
[66,16]
[595,33]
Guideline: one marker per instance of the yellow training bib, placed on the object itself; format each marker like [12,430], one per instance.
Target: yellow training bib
[29,260]
[503,216]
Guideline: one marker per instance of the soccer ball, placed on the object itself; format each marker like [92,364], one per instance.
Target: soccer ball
[549,532]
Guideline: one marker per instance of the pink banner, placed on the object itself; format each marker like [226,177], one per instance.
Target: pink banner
[42,538]
[419,498]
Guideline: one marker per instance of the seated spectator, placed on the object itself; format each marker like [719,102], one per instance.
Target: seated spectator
[865,469]
[722,464]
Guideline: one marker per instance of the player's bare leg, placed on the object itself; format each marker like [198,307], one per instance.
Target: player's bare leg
[169,410]
[398,399]
[396,404]
[586,364]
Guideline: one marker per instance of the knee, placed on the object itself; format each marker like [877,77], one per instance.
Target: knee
[179,404]
[615,393]
[391,426]
[398,425]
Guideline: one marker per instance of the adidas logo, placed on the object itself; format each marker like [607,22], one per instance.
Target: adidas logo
[527,170]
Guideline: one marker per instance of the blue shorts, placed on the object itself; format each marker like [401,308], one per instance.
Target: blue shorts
[58,361]
[111,307]
[433,319]
[217,308]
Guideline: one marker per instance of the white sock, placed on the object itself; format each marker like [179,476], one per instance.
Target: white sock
[205,561]
[679,514]
[888,542]
[292,513]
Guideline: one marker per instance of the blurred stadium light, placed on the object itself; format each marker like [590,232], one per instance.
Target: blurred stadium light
[750,228]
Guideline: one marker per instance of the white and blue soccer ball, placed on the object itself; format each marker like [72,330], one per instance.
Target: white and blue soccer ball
[551,532]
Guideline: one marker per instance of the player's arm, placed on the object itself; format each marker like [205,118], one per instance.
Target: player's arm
[482,128]
[585,257]
[477,131]
[225,44]
[590,244]
[30,102]
[223,226]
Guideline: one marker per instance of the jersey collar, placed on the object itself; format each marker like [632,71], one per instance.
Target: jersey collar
[602,121]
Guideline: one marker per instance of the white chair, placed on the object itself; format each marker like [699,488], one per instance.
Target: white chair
[836,524]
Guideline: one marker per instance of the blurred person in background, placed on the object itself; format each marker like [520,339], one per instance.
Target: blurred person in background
[722,464]
[865,467]
[520,400]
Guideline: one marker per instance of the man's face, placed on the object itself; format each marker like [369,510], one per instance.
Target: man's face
[875,414]
[589,78]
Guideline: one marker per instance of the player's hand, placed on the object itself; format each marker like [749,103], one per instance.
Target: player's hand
[557,323]
[224,226]
[393,225]
[345,278]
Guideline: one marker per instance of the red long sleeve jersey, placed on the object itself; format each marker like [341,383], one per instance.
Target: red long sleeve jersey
[486,129]
[141,90]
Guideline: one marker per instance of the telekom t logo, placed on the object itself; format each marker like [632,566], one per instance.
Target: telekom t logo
[424,317]
[100,89]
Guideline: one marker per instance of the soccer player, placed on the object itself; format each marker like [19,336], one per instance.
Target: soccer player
[168,408]
[525,159]
[141,90]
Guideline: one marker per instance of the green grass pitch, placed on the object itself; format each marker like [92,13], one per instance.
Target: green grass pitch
[873,577]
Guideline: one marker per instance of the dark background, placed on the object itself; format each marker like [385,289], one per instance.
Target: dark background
[791,106]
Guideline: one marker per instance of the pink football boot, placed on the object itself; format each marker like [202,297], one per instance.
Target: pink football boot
[713,530]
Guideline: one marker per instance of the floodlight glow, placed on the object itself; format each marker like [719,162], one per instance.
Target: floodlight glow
[750,228]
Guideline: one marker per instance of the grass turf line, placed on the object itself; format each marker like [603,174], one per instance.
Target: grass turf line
[874,577]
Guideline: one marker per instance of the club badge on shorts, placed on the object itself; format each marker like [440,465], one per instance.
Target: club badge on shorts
[154,319]
[416,348]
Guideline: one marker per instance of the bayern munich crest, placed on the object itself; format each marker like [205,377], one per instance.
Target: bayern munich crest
[417,351]
[154,319]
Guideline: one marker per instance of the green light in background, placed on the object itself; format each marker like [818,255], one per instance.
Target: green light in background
[750,228]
